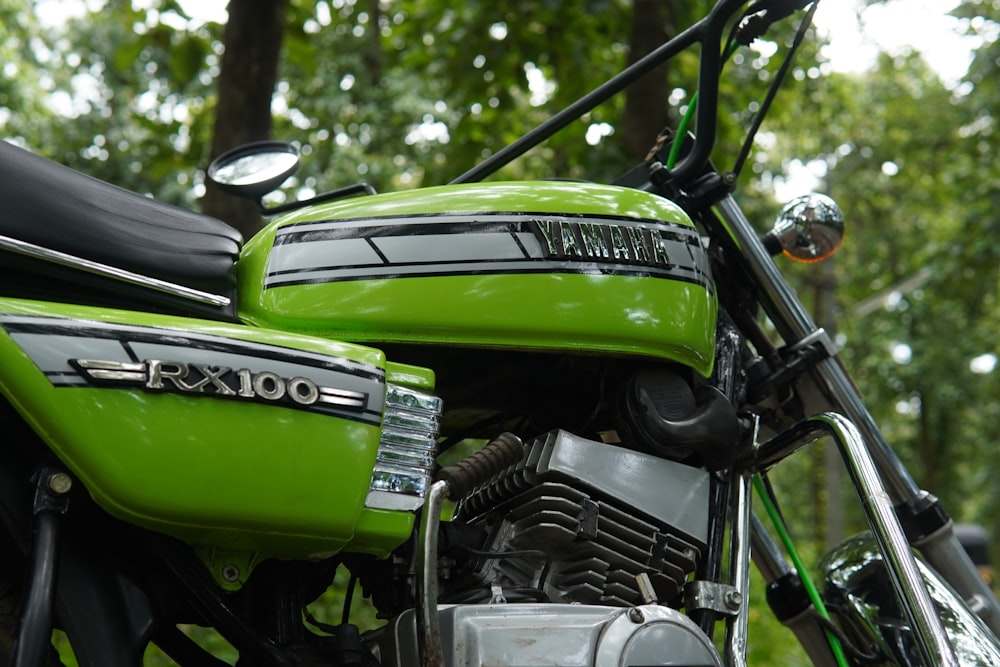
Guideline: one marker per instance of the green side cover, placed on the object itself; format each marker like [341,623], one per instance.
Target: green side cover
[255,472]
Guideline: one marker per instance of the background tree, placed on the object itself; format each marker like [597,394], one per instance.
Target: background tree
[253,37]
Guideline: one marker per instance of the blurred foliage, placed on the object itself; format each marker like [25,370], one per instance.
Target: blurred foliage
[403,94]
[400,94]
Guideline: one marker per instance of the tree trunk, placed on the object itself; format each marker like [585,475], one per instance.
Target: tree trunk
[646,100]
[252,39]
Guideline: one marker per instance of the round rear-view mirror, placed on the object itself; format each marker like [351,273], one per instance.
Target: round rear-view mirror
[253,170]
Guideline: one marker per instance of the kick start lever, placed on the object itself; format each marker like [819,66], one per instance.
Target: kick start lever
[454,483]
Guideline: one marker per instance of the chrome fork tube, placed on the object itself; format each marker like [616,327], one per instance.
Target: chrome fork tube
[901,564]
[773,567]
[941,549]
[739,571]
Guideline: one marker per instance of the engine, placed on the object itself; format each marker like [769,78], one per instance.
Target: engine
[582,550]
[583,522]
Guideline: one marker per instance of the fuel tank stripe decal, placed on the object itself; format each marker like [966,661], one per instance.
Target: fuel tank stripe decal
[80,353]
[477,244]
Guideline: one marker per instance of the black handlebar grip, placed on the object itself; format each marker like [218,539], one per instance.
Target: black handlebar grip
[506,450]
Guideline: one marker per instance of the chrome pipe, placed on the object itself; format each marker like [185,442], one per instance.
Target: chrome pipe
[428,625]
[106,271]
[893,545]
[739,569]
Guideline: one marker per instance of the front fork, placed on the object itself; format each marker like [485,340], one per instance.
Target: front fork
[936,540]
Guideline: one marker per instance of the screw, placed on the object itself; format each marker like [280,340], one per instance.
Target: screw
[231,573]
[733,599]
[59,483]
[635,615]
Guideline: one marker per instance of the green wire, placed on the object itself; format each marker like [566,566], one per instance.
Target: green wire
[675,147]
[807,583]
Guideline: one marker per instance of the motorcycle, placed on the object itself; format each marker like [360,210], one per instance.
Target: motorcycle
[205,432]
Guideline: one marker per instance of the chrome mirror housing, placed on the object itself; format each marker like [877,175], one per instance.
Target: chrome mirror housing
[809,228]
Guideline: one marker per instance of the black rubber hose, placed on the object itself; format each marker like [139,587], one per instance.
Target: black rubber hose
[36,622]
[506,450]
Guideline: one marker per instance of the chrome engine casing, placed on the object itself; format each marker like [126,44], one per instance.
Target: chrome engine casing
[569,635]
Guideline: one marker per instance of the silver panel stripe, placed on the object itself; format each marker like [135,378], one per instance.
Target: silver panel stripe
[476,244]
[115,273]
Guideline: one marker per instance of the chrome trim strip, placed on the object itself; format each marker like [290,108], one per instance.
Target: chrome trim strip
[113,371]
[72,261]
[405,461]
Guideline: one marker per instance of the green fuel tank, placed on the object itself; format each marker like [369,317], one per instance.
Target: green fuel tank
[553,266]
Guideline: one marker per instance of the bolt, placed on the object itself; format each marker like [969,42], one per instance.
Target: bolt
[635,615]
[59,483]
[733,599]
[231,573]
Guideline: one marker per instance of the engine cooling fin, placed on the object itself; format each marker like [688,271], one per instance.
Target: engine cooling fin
[587,519]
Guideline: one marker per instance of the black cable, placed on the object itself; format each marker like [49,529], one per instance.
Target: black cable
[182,649]
[762,15]
[319,625]
[36,619]
[345,615]
[875,654]
[544,574]
[773,89]
[772,496]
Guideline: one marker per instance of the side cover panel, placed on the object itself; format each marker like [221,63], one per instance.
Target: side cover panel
[578,267]
[217,434]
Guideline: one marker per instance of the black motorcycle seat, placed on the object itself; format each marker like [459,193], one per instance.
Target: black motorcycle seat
[50,205]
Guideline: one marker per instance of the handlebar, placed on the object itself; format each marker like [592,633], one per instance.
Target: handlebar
[708,32]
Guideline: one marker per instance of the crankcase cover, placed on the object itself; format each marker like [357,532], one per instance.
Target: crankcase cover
[221,435]
[564,266]
[554,634]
